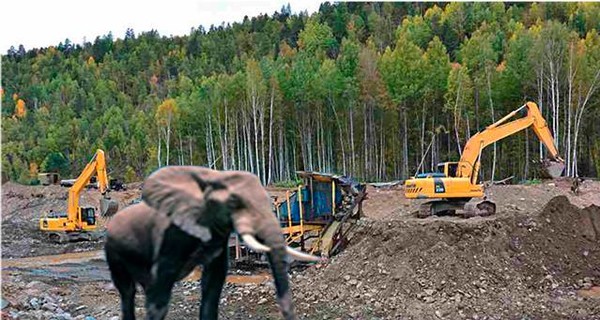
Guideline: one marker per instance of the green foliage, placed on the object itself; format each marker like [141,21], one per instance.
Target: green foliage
[130,175]
[288,183]
[402,71]
[531,182]
[55,162]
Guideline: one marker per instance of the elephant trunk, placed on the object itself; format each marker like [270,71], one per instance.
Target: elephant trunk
[277,257]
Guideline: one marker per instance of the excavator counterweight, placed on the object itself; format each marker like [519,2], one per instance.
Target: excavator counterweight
[455,183]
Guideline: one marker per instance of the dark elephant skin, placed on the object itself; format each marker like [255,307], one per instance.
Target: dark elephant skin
[185,219]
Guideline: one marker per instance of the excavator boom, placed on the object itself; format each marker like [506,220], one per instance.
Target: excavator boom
[470,160]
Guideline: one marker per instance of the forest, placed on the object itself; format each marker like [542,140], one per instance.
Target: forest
[375,91]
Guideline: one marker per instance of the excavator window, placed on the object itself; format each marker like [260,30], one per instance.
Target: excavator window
[88,215]
[441,168]
[452,169]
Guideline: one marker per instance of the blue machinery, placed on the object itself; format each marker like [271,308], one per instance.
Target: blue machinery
[317,215]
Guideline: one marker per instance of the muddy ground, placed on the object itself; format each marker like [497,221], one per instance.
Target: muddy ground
[537,258]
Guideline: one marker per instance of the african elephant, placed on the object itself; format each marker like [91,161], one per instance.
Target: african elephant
[184,220]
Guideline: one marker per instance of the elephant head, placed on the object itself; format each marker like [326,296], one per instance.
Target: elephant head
[207,203]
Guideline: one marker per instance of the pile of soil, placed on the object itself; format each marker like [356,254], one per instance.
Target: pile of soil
[503,267]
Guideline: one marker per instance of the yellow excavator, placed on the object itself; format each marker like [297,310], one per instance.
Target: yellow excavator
[455,183]
[81,222]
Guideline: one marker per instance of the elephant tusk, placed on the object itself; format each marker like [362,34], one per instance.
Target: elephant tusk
[251,241]
[301,255]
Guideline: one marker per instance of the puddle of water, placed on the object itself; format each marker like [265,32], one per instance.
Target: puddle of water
[39,261]
[94,270]
[593,292]
[90,266]
[237,279]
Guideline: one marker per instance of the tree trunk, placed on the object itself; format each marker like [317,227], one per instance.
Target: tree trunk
[405,145]
[270,170]
[540,90]
[365,143]
[262,145]
[168,137]
[191,154]
[526,170]
[489,85]
[352,153]
[340,135]
[159,147]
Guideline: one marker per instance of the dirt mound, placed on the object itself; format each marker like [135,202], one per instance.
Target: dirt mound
[505,267]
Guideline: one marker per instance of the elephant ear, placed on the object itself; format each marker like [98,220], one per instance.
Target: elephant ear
[182,194]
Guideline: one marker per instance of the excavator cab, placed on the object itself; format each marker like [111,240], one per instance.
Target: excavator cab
[443,170]
[88,215]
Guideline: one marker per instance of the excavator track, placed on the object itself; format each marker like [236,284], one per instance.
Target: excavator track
[465,208]
[483,208]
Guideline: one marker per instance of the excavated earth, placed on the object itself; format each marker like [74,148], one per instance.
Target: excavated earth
[22,207]
[537,258]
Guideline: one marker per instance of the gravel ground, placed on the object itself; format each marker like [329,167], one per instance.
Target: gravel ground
[537,258]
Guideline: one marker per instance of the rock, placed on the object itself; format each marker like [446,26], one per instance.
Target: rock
[33,284]
[114,318]
[34,303]
[63,316]
[81,307]
[3,303]
[262,301]
[49,306]
[429,292]
[48,298]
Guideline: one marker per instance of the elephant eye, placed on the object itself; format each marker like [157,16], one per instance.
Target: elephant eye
[234,202]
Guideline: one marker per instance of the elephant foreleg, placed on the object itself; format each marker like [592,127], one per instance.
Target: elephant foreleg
[158,293]
[213,278]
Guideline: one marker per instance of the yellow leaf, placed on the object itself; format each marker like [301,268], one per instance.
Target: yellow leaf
[20,110]
[166,111]
[33,170]
[501,66]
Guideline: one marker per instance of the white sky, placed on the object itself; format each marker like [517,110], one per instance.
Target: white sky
[41,23]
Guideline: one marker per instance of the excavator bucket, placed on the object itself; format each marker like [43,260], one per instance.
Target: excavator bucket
[552,169]
[108,207]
